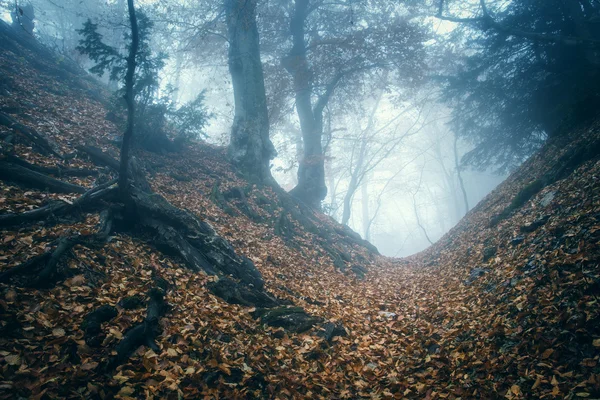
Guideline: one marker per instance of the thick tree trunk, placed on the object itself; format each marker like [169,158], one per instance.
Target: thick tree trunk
[250,148]
[311,188]
[129,98]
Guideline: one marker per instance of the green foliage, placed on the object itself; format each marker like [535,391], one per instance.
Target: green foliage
[155,113]
[191,118]
[107,58]
[514,91]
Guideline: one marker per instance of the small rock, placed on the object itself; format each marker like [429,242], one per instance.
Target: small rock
[475,274]
[517,240]
[359,271]
[488,253]
[387,314]
[547,199]
[371,366]
[535,225]
[293,319]
[329,330]
[433,348]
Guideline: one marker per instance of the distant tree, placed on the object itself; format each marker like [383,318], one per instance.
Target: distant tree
[336,46]
[532,66]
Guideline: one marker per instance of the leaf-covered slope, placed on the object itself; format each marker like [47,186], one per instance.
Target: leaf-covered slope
[442,324]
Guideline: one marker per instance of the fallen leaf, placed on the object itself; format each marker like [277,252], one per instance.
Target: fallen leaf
[546,354]
[89,366]
[58,332]
[13,359]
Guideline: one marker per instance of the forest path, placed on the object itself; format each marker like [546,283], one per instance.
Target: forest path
[492,310]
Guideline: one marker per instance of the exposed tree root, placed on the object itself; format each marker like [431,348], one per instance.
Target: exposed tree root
[305,216]
[217,197]
[45,266]
[99,157]
[174,231]
[178,232]
[234,293]
[28,178]
[91,199]
[237,196]
[92,323]
[41,142]
[142,334]
[26,268]
[59,170]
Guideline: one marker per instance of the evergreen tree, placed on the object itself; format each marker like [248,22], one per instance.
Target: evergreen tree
[533,66]
[154,113]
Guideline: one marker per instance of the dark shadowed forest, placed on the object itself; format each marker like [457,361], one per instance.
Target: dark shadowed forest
[299,199]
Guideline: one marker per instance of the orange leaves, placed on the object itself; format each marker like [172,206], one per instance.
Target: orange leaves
[415,330]
[58,332]
[12,359]
[546,354]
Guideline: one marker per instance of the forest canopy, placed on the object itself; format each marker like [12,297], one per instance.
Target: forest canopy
[345,101]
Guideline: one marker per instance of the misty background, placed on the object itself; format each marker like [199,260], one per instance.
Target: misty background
[393,163]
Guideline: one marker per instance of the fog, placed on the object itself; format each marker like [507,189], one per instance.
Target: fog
[393,163]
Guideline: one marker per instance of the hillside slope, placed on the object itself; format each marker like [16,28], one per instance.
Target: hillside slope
[498,308]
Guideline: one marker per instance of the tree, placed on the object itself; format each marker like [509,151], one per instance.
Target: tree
[155,115]
[335,45]
[250,147]
[534,68]
[129,99]
[376,144]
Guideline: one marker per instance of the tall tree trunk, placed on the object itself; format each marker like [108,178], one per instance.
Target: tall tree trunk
[355,180]
[331,183]
[458,174]
[129,98]
[366,219]
[358,171]
[250,148]
[311,187]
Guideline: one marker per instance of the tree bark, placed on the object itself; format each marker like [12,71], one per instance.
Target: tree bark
[458,174]
[129,98]
[250,147]
[311,188]
[42,143]
[60,208]
[142,334]
[364,190]
[28,178]
[58,170]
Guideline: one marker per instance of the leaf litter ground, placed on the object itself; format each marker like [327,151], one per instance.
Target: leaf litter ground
[525,323]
